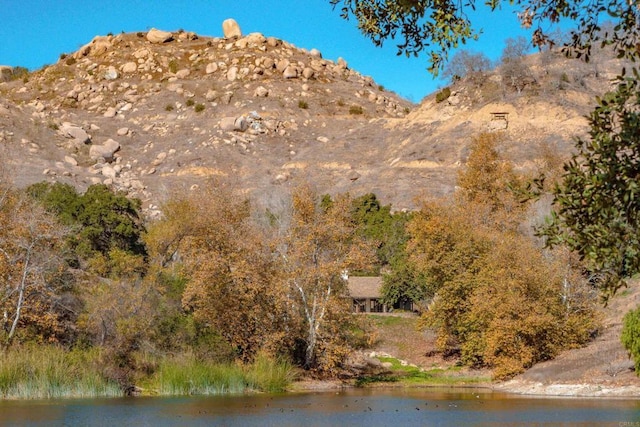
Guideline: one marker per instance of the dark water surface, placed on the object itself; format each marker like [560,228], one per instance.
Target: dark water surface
[370,407]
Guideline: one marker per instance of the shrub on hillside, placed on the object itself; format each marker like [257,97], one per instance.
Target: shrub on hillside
[443,95]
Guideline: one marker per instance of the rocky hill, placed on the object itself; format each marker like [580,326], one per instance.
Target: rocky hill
[156,112]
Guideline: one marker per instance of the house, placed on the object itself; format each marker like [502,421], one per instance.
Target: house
[365,292]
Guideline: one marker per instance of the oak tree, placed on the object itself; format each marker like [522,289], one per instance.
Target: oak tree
[318,245]
[33,286]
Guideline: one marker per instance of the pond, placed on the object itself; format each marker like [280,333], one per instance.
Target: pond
[370,407]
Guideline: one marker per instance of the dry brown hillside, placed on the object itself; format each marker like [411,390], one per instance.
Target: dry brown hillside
[153,117]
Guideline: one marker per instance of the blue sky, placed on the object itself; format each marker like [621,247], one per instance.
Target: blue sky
[36,32]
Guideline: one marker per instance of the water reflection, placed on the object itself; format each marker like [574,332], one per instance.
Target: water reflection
[371,407]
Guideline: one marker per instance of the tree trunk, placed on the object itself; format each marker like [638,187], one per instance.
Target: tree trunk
[23,284]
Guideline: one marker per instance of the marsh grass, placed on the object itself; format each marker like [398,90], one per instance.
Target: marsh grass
[47,372]
[185,375]
[270,375]
[43,372]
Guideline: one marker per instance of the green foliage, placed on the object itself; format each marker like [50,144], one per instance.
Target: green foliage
[631,336]
[435,28]
[303,104]
[443,95]
[356,110]
[50,372]
[59,199]
[168,107]
[173,66]
[190,102]
[186,375]
[108,227]
[597,201]
[387,232]
[199,108]
[109,221]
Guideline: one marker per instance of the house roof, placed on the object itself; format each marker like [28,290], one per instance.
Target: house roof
[365,287]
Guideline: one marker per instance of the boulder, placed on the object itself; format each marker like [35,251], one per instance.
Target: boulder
[231,29]
[111,73]
[72,131]
[184,73]
[70,160]
[96,47]
[129,67]
[241,124]
[232,73]
[253,39]
[211,68]
[105,151]
[227,123]
[159,36]
[315,53]
[109,172]
[211,95]
[291,72]
[261,91]
[307,73]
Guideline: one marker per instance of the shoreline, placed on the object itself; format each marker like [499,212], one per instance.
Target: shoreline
[512,387]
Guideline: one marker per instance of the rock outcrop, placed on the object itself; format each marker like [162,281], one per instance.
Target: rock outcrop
[159,36]
[231,29]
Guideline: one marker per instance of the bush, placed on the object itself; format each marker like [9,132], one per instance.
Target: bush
[631,336]
[190,102]
[443,95]
[303,104]
[356,109]
[199,108]
[168,107]
[173,66]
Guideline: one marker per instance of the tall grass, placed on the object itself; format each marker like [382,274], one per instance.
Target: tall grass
[43,372]
[185,375]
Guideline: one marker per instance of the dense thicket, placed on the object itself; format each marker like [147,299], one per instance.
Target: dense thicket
[218,279]
[499,300]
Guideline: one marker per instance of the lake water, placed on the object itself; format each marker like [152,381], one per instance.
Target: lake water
[370,407]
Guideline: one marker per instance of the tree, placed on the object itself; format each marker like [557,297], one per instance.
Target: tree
[32,289]
[489,184]
[465,64]
[319,244]
[514,71]
[108,226]
[211,239]
[597,201]
[497,300]
[436,27]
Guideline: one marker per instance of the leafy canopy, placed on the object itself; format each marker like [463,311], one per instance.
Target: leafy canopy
[436,27]
[598,199]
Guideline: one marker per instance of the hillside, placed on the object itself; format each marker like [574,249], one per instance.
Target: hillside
[156,112]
